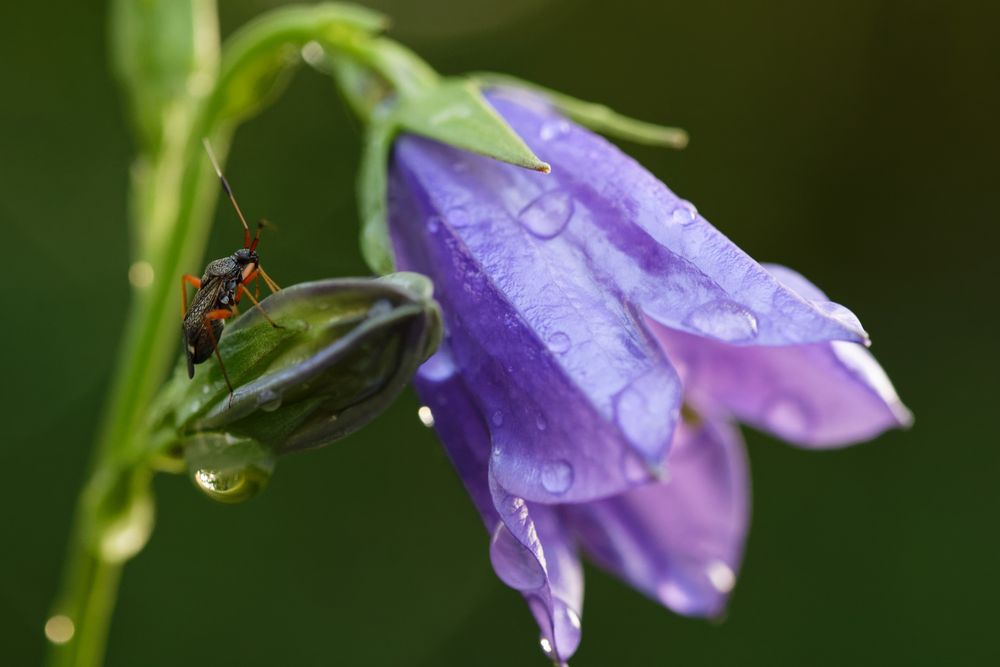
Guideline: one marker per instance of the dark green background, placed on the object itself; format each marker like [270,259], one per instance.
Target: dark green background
[856,141]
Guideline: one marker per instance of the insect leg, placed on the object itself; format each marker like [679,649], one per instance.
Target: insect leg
[187,279]
[210,316]
[241,290]
[271,285]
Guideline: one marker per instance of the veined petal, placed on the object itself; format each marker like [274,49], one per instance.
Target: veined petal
[529,547]
[662,255]
[818,395]
[574,387]
[680,540]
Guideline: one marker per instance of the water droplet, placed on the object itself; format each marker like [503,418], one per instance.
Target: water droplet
[573,617]
[643,412]
[541,423]
[548,214]
[450,113]
[557,477]
[458,217]
[546,645]
[433,224]
[231,486]
[840,313]
[554,129]
[559,342]
[725,320]
[205,389]
[787,414]
[497,418]
[684,214]
[721,575]
[268,401]
[59,629]
[380,308]
[140,274]
[312,53]
[426,416]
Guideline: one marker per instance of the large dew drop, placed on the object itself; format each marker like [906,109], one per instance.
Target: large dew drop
[724,320]
[548,214]
[233,486]
[557,477]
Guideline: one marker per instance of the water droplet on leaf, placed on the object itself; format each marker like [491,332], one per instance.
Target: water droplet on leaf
[548,214]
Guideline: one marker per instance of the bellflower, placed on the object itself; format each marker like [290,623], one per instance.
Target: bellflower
[602,340]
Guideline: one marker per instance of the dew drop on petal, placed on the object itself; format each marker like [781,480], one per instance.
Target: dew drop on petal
[497,418]
[788,414]
[433,224]
[557,477]
[540,423]
[546,645]
[840,313]
[725,320]
[721,575]
[548,214]
[684,214]
[458,217]
[559,342]
[425,416]
[643,410]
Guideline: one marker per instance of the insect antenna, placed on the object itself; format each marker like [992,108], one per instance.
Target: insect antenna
[229,193]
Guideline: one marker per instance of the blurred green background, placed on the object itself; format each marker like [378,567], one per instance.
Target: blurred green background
[856,141]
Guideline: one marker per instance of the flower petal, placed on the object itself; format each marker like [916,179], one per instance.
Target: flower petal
[550,345]
[529,547]
[679,541]
[819,395]
[654,246]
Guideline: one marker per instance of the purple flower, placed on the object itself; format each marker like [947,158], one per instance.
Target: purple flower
[601,340]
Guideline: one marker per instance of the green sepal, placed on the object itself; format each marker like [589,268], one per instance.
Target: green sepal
[373,175]
[259,58]
[597,117]
[455,113]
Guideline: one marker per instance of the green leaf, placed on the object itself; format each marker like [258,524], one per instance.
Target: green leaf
[597,117]
[455,113]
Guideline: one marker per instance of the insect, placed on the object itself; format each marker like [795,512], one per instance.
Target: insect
[220,289]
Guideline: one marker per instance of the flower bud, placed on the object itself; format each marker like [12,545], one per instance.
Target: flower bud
[342,350]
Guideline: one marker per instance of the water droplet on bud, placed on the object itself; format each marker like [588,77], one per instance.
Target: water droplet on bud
[725,320]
